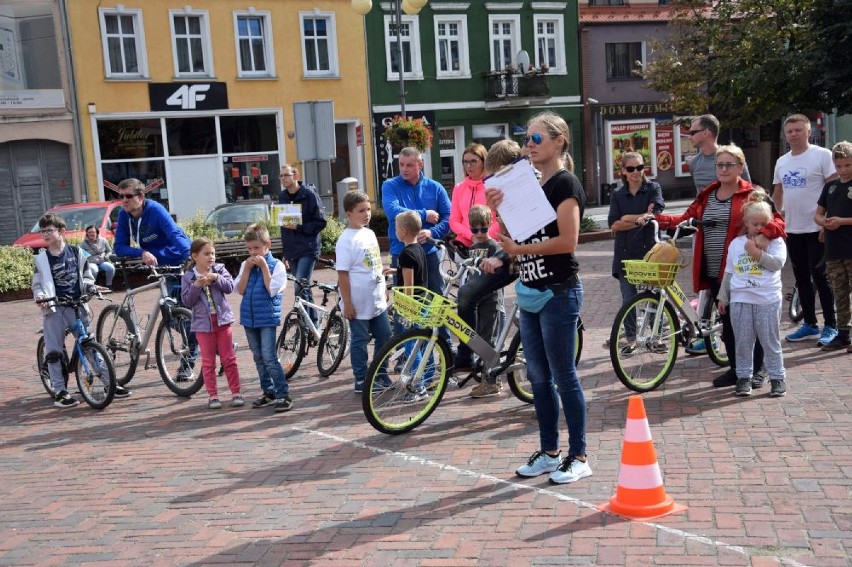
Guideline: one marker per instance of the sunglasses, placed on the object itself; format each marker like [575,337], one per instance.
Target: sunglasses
[694,132]
[723,165]
[483,230]
[125,196]
[632,168]
[535,138]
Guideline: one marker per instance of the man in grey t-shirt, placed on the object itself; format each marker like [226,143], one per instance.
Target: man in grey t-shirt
[704,132]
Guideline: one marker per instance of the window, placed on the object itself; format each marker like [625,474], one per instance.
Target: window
[253,34]
[319,44]
[622,59]
[191,44]
[191,136]
[504,39]
[255,133]
[549,43]
[123,43]
[606,2]
[451,51]
[409,33]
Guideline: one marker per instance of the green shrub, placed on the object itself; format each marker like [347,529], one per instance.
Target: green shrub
[379,222]
[328,238]
[16,265]
[588,224]
[197,227]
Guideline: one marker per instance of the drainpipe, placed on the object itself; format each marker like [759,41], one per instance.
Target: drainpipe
[72,90]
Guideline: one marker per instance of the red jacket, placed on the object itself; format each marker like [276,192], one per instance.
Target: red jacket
[774,229]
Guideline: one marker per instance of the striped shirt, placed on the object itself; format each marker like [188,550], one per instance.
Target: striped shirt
[714,238]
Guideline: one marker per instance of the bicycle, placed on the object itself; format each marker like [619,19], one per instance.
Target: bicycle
[794,310]
[126,336]
[453,254]
[647,329]
[330,335]
[90,362]
[407,378]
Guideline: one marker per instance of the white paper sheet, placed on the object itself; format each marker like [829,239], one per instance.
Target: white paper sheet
[525,209]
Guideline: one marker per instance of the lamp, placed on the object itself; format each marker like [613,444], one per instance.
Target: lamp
[362,7]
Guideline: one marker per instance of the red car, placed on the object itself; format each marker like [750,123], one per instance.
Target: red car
[102,214]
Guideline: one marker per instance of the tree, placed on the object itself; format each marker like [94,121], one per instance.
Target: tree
[753,61]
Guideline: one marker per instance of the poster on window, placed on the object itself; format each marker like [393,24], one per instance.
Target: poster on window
[665,144]
[624,136]
[683,145]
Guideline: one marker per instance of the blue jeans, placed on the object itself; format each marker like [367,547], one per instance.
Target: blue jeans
[628,292]
[361,329]
[548,338]
[261,341]
[434,282]
[303,268]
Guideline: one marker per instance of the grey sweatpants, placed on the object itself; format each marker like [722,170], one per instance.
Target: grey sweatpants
[54,326]
[752,322]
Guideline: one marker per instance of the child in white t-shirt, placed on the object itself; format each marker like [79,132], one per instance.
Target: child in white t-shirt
[751,289]
[362,283]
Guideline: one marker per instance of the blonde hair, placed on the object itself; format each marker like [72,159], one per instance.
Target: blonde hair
[758,204]
[733,150]
[842,150]
[555,126]
[479,215]
[409,221]
[501,154]
[798,118]
[257,233]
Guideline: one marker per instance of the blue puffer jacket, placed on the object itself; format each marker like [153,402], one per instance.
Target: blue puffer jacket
[257,308]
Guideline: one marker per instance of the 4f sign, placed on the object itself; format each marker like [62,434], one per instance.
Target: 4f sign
[187,97]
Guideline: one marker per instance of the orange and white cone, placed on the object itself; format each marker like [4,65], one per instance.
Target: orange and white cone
[640,494]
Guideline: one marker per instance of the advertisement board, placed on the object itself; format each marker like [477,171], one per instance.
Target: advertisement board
[624,136]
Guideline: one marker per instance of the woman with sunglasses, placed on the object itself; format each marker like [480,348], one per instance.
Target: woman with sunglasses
[550,296]
[722,202]
[630,205]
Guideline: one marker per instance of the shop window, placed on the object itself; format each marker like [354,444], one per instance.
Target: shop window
[191,136]
[130,139]
[123,36]
[151,173]
[191,44]
[253,32]
[319,44]
[251,177]
[622,59]
[241,134]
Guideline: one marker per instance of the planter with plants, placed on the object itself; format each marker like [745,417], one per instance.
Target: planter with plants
[16,265]
[406,131]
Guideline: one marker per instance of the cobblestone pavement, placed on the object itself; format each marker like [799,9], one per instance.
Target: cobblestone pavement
[156,480]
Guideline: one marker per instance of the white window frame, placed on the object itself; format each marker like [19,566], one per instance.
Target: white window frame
[416,72]
[559,38]
[206,46]
[333,67]
[464,52]
[268,43]
[139,36]
[515,38]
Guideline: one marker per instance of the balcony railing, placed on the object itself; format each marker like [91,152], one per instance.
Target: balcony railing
[502,85]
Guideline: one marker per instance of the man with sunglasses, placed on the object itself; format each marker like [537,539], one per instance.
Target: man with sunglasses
[704,135]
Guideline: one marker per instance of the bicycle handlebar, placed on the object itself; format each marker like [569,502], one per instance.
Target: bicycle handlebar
[65,301]
[686,224]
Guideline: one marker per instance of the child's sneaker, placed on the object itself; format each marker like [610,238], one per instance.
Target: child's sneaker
[263,401]
[828,334]
[64,400]
[571,470]
[804,332]
[284,404]
[214,403]
[758,379]
[778,388]
[539,463]
[122,392]
[484,390]
[238,401]
[743,387]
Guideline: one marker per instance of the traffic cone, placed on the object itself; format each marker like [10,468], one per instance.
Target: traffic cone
[640,494]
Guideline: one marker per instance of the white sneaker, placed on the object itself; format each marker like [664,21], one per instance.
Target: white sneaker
[538,464]
[571,470]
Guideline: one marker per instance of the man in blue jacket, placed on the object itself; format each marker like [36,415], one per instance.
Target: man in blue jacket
[413,191]
[301,240]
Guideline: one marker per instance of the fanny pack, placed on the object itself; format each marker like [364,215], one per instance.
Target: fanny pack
[531,299]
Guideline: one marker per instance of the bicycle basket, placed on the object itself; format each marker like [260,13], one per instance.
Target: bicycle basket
[653,273]
[423,307]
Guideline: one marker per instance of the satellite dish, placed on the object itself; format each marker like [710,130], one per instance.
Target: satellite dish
[522,61]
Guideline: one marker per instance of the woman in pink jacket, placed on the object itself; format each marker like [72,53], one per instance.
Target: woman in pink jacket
[470,192]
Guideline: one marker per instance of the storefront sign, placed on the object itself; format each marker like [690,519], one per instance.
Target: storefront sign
[39,98]
[665,144]
[188,96]
[243,159]
[630,136]
[385,152]
[625,109]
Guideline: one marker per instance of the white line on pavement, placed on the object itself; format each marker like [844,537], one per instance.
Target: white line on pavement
[520,486]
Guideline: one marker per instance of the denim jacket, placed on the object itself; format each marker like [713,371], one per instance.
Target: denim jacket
[196,300]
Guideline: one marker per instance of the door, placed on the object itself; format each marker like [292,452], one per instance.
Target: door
[195,184]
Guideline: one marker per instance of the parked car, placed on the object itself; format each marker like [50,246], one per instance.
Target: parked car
[231,219]
[102,214]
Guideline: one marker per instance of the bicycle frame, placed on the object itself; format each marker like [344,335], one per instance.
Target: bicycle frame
[301,307]
[129,304]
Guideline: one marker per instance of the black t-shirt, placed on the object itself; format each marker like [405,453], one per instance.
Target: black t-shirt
[412,256]
[65,271]
[836,198]
[539,271]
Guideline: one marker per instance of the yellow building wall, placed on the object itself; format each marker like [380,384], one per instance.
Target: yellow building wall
[349,91]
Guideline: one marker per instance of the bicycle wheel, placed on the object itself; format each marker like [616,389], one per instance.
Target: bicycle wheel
[177,352]
[406,381]
[332,345]
[715,347]
[291,344]
[794,309]
[517,377]
[43,373]
[95,375]
[644,355]
[114,331]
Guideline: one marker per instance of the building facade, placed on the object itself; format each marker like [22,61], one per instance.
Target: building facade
[201,101]
[39,159]
[476,71]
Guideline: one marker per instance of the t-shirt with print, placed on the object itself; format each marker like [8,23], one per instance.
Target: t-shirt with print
[65,271]
[483,250]
[412,256]
[803,177]
[836,197]
[357,252]
[540,271]
[750,282]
